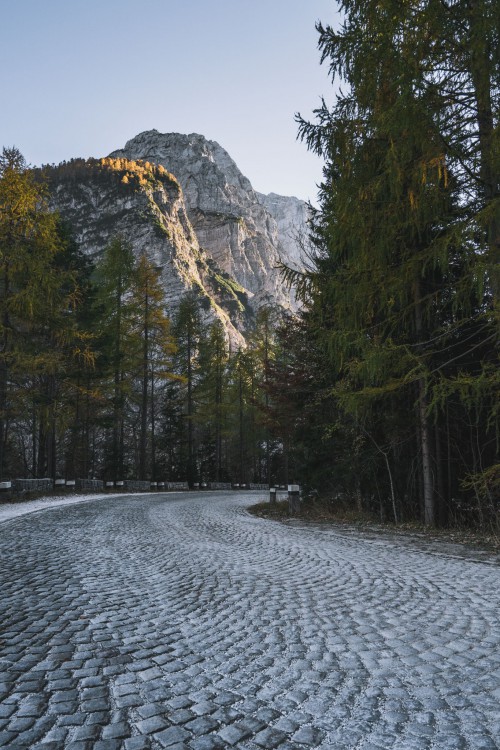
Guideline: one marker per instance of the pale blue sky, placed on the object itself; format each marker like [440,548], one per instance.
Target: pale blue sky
[81,77]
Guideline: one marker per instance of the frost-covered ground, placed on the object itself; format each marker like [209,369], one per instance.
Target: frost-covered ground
[13,510]
[181,621]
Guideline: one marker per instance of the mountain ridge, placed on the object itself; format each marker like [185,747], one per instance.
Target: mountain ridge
[204,227]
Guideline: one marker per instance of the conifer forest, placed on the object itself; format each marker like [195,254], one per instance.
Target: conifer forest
[382,392]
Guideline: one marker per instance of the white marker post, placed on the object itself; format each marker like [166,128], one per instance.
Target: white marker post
[293,499]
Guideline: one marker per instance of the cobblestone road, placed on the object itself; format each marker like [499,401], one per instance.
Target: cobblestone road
[183,622]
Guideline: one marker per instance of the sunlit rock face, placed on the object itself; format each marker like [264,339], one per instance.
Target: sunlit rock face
[246,233]
[103,199]
[182,200]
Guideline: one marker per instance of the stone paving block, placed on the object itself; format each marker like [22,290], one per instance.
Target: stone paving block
[234,734]
[66,684]
[252,723]
[109,744]
[123,679]
[226,699]
[96,704]
[63,709]
[71,720]
[286,725]
[226,715]
[127,688]
[180,702]
[309,736]
[6,738]
[150,709]
[153,724]
[34,734]
[98,717]
[267,715]
[6,710]
[203,708]
[156,694]
[63,696]
[119,730]
[150,674]
[30,686]
[87,732]
[137,743]
[171,736]
[21,724]
[79,745]
[180,716]
[202,725]
[269,738]
[207,743]
[94,693]
[128,701]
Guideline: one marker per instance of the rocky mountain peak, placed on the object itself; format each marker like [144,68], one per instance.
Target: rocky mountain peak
[234,224]
[183,201]
[210,179]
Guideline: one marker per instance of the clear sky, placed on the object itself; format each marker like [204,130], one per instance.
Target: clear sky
[81,77]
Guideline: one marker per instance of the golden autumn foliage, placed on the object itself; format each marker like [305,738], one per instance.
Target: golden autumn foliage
[131,173]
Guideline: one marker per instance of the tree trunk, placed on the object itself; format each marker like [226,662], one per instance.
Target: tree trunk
[190,461]
[145,394]
[423,422]
[153,427]
[481,68]
[3,410]
[425,442]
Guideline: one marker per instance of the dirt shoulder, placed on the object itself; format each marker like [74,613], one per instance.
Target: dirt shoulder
[471,543]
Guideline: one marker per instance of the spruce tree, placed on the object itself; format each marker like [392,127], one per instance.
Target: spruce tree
[399,266]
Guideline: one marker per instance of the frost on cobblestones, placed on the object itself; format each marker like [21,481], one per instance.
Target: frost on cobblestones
[182,621]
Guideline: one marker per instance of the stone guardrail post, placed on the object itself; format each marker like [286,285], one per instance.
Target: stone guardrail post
[272,496]
[293,499]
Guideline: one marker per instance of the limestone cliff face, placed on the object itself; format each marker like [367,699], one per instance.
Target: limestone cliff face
[291,216]
[205,228]
[105,198]
[245,233]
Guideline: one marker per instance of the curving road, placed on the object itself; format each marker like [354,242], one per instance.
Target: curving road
[180,621]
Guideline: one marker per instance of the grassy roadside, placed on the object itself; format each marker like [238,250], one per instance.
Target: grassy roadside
[322,512]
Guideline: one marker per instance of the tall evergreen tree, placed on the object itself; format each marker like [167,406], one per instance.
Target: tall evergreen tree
[118,343]
[34,294]
[211,397]
[153,328]
[398,268]
[188,332]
